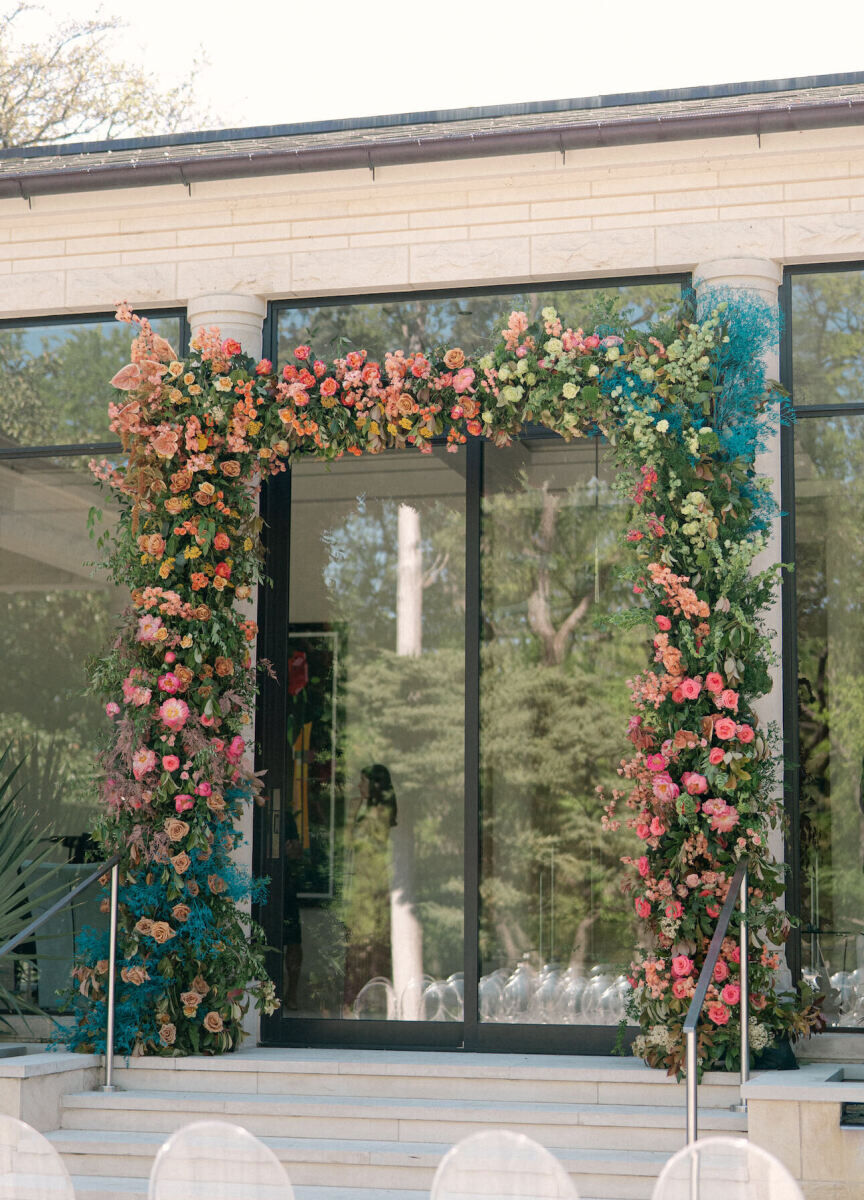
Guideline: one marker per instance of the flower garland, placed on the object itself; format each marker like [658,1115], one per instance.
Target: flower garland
[682,414]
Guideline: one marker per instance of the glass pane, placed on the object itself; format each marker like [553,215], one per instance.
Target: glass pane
[56,611]
[829,534]
[471,322]
[372,812]
[54,379]
[556,939]
[828,338]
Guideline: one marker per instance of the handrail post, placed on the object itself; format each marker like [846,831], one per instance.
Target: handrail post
[108,1086]
[691,1087]
[744,1004]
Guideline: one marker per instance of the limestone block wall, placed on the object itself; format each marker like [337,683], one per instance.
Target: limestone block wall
[790,197]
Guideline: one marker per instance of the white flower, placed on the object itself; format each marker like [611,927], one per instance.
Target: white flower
[663,426]
[593,370]
[569,391]
[554,346]
[548,314]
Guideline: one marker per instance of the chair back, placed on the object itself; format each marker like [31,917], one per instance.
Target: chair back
[498,1164]
[725,1168]
[214,1160]
[30,1167]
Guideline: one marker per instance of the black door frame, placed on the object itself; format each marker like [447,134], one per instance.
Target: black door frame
[471,1034]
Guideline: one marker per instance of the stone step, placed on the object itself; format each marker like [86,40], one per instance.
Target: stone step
[320,1162]
[432,1075]
[621,1126]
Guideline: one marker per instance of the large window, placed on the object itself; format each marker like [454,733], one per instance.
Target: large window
[826,750]
[453,700]
[56,609]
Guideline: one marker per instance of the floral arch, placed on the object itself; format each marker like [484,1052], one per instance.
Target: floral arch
[684,411]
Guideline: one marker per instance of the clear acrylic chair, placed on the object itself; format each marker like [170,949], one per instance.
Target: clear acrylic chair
[498,1164]
[30,1167]
[214,1160]
[725,1168]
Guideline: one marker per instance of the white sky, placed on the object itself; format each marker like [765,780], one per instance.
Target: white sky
[277,61]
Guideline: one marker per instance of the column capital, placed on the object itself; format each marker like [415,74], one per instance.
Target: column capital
[763,275]
[237,314]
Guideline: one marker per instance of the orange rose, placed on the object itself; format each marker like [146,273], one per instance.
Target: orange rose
[160,932]
[185,676]
[203,497]
[454,359]
[181,862]
[201,613]
[224,667]
[175,829]
[220,583]
[213,1023]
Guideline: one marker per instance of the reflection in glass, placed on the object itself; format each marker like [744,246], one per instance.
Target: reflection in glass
[54,379]
[829,534]
[56,612]
[555,937]
[471,322]
[373,848]
[827,334]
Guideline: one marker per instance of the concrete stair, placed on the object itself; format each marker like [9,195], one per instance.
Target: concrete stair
[358,1125]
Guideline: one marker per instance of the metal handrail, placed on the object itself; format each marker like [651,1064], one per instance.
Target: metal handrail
[113,864]
[737,890]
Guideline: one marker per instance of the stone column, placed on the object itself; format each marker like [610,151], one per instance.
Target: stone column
[241,317]
[763,277]
[237,315]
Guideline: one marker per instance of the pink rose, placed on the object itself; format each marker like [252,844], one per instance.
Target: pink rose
[714,682]
[663,623]
[675,910]
[663,787]
[692,880]
[721,971]
[143,762]
[148,627]
[642,866]
[681,965]
[183,801]
[656,762]
[643,908]
[462,380]
[677,695]
[718,1013]
[690,689]
[725,822]
[643,831]
[174,713]
[203,789]
[657,827]
[745,733]
[234,752]
[681,989]
[725,728]
[169,683]
[112,708]
[729,699]
[731,994]
[694,783]
[716,755]
[170,762]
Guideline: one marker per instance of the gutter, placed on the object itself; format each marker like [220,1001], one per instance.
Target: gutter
[349,155]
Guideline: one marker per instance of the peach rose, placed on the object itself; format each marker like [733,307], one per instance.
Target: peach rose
[135,975]
[184,675]
[181,862]
[201,613]
[161,932]
[144,925]
[200,985]
[174,505]
[230,469]
[180,913]
[181,481]
[175,829]
[203,497]
[168,1034]
[216,803]
[454,359]
[216,883]
[224,667]
[166,443]
[213,1023]
[192,887]
[190,999]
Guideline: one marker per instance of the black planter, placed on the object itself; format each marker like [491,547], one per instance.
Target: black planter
[779,1057]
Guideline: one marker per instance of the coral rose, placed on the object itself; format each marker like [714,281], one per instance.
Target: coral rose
[718,1013]
[681,966]
[170,762]
[724,728]
[213,1023]
[168,1034]
[716,755]
[729,699]
[221,541]
[721,971]
[663,623]
[643,908]
[745,733]
[690,689]
[714,682]
[731,994]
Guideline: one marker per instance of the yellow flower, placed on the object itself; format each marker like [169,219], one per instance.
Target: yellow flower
[189,377]
[195,389]
[202,441]
[391,428]
[223,384]
[254,427]
[373,428]
[405,422]
[166,568]
[161,634]
[247,544]
[193,552]
[186,641]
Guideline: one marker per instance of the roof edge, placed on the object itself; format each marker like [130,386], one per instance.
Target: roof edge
[816,114]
